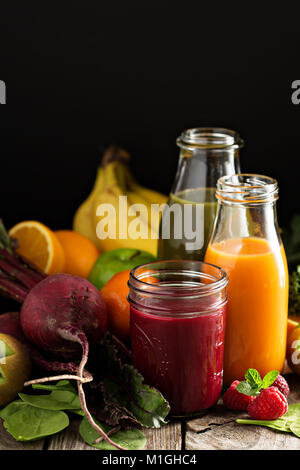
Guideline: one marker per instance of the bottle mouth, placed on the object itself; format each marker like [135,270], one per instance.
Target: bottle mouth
[247,188]
[215,138]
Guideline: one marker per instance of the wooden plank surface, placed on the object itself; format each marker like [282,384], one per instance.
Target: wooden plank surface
[166,438]
[217,429]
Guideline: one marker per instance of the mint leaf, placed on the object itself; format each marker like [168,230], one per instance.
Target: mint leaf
[269,378]
[246,389]
[253,378]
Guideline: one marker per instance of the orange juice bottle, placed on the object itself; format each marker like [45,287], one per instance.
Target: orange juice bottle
[245,242]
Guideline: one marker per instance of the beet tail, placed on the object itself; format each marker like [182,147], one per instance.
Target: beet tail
[74,334]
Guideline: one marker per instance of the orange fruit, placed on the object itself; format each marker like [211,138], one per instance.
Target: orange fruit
[39,245]
[80,252]
[114,294]
[291,324]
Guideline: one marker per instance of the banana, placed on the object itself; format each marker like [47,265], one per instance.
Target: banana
[83,221]
[101,210]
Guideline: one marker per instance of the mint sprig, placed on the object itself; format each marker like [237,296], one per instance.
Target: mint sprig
[254,383]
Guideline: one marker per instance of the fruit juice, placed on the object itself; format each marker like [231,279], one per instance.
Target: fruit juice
[176,248]
[256,319]
[181,356]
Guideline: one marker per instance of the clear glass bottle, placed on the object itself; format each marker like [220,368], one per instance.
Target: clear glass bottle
[246,243]
[177,328]
[206,153]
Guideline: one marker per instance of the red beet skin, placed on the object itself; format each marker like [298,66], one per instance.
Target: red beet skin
[63,301]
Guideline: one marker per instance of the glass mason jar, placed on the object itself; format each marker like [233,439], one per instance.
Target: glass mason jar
[246,243]
[177,322]
[206,153]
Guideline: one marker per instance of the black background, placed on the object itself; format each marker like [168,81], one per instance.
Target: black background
[81,75]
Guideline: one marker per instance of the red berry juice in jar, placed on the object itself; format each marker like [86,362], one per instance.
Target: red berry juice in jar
[177,325]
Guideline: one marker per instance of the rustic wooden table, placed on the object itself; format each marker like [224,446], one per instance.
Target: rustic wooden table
[213,430]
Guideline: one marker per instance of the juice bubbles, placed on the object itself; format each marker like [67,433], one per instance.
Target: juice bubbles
[246,244]
[177,326]
[257,305]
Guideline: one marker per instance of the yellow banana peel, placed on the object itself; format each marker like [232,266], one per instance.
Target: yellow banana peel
[112,208]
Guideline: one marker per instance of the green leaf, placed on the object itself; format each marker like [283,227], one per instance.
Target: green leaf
[291,419]
[253,378]
[62,385]
[48,402]
[29,423]
[278,424]
[123,387]
[62,397]
[269,378]
[131,439]
[245,388]
[11,408]
[295,428]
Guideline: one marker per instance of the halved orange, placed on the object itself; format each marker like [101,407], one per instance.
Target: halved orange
[39,245]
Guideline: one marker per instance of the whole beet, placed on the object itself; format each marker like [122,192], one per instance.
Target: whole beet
[60,313]
[57,303]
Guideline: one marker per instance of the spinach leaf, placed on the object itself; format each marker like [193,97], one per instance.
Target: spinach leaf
[62,397]
[131,439]
[295,428]
[29,423]
[11,408]
[289,422]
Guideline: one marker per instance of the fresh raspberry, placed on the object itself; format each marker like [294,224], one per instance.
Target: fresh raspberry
[282,385]
[235,400]
[270,404]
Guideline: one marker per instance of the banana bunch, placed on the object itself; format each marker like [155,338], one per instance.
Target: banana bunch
[119,213]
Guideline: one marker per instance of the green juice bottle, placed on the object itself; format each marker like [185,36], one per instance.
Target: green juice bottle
[206,154]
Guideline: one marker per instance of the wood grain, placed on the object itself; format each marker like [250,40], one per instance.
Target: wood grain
[165,438]
[69,439]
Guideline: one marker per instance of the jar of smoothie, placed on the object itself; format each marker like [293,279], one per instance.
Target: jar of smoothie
[246,243]
[177,323]
[206,153]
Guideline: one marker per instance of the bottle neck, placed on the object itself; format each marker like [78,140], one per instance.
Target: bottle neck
[246,208]
[206,154]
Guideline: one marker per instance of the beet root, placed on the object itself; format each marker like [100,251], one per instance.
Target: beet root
[61,301]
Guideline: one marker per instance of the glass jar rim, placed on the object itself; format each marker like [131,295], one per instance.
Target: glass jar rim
[214,138]
[183,290]
[248,188]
